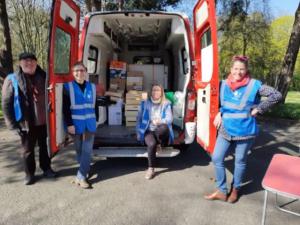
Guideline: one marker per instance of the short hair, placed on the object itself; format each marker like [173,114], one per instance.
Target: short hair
[240,58]
[79,63]
[27,55]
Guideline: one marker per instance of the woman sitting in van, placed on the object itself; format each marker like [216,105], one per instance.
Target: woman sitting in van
[154,125]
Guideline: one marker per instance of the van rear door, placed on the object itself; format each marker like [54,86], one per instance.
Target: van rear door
[63,52]
[206,72]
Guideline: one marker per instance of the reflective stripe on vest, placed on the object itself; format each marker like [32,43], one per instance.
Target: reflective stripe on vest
[236,107]
[83,107]
[17,107]
[143,126]
[243,101]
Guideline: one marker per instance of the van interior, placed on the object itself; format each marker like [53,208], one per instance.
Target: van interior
[156,44]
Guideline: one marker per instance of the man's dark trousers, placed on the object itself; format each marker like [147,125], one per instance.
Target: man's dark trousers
[36,134]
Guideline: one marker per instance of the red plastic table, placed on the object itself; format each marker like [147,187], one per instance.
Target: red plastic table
[282,178]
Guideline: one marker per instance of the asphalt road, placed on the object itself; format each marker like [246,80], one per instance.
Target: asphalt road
[121,195]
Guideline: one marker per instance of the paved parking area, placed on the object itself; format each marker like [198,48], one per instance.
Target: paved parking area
[121,195]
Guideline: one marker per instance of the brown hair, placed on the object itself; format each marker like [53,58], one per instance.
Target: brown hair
[79,63]
[240,58]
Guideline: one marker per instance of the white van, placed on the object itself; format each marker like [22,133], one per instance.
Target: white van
[162,46]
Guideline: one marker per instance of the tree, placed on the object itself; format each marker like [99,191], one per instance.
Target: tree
[6,60]
[244,30]
[30,27]
[288,65]
[113,5]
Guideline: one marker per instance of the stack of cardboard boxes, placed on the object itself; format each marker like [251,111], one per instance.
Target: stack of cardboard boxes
[117,82]
[133,99]
[121,80]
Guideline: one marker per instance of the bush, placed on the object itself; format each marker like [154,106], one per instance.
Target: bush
[289,110]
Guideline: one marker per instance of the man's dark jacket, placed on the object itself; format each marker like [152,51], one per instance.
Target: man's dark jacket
[32,100]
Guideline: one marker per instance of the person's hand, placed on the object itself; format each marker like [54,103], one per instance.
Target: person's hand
[71,129]
[254,112]
[218,120]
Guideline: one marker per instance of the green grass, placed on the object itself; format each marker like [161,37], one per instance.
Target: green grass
[290,109]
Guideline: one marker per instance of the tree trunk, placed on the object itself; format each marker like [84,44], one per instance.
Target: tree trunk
[288,66]
[6,61]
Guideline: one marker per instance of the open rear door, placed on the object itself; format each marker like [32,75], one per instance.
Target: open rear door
[63,52]
[206,72]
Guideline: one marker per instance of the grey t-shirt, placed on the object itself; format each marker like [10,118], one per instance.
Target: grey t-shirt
[155,114]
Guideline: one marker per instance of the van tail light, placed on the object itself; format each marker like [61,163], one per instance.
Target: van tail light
[191,107]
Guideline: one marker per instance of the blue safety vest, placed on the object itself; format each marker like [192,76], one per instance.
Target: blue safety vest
[17,107]
[82,106]
[236,107]
[143,125]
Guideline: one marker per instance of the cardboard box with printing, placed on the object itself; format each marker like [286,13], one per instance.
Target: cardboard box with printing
[135,80]
[117,84]
[117,69]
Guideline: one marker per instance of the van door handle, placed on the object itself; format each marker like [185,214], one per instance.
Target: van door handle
[50,88]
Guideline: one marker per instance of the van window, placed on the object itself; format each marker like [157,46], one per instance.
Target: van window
[92,59]
[62,52]
[206,39]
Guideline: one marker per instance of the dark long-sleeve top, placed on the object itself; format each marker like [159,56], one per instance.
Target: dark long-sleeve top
[32,100]
[273,97]
[67,104]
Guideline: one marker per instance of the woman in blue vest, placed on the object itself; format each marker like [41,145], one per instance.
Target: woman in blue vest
[154,125]
[236,123]
[79,97]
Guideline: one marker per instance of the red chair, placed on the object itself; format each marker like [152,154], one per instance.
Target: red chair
[282,178]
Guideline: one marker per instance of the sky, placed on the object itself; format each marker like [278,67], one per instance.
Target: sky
[283,7]
[277,7]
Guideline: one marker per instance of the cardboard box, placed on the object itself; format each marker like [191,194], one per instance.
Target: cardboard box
[131,107]
[130,121]
[117,69]
[130,124]
[135,95]
[117,83]
[131,113]
[134,80]
[115,114]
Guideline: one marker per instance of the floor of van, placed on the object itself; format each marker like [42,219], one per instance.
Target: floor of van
[118,135]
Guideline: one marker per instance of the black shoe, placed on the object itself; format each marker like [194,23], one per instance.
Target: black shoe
[49,173]
[29,180]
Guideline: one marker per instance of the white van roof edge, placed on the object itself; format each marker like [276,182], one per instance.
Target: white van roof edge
[137,12]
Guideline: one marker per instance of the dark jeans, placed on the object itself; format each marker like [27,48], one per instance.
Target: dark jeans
[36,134]
[154,138]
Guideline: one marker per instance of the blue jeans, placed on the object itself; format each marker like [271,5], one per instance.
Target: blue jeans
[220,152]
[84,147]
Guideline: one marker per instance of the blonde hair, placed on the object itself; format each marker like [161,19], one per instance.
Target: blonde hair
[163,97]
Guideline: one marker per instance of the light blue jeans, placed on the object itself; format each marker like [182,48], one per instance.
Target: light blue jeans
[221,150]
[84,148]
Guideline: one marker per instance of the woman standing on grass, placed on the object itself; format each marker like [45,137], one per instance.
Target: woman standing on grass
[236,124]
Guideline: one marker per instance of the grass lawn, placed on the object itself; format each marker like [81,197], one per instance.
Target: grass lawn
[290,109]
